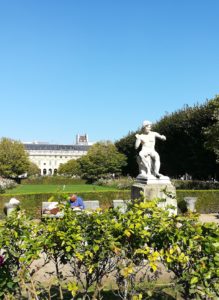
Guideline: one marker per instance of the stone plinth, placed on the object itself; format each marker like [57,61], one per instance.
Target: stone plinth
[154,189]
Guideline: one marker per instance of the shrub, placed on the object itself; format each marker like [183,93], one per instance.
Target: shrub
[32,203]
[6,184]
[52,180]
[122,183]
[20,245]
[195,185]
[207,201]
[131,245]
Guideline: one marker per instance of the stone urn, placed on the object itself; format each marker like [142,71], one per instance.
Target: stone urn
[190,203]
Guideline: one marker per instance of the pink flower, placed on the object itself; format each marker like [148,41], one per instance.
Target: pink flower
[1,260]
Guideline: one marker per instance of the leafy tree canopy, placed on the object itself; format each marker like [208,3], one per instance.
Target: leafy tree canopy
[126,146]
[212,131]
[192,144]
[184,150]
[13,158]
[33,169]
[102,160]
[70,168]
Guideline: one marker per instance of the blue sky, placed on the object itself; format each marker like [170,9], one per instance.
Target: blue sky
[101,67]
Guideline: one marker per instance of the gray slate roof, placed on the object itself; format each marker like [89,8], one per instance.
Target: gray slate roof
[56,147]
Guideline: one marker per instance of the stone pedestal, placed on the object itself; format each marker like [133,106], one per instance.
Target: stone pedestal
[153,189]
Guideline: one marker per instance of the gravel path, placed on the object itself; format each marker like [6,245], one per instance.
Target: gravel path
[209,218]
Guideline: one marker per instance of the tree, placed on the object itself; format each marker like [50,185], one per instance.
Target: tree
[212,131]
[33,169]
[13,158]
[70,168]
[126,146]
[192,144]
[184,150]
[102,160]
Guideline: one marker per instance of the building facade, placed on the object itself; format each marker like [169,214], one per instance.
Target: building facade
[48,157]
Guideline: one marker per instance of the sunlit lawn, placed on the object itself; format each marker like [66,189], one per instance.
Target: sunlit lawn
[26,189]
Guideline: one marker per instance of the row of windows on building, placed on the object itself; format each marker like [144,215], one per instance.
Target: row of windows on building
[48,163]
[49,172]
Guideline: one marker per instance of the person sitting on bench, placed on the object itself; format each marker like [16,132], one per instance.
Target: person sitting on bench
[76,202]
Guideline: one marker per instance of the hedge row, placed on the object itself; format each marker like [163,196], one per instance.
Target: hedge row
[195,185]
[207,202]
[52,180]
[32,202]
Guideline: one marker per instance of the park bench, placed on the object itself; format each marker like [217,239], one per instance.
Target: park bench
[120,204]
[51,209]
[92,204]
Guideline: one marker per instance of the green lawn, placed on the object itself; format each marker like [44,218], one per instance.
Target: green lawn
[26,189]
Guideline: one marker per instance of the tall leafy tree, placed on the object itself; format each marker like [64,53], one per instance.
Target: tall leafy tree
[184,150]
[70,168]
[192,144]
[212,131]
[13,158]
[126,146]
[33,169]
[102,159]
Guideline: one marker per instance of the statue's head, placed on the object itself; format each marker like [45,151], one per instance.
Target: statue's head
[146,126]
[146,123]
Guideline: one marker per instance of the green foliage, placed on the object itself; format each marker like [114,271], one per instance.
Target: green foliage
[52,180]
[190,250]
[126,145]
[94,257]
[207,201]
[191,146]
[136,254]
[33,170]
[102,160]
[70,168]
[184,150]
[132,246]
[121,183]
[212,131]
[13,158]
[32,202]
[195,185]
[61,236]
[52,188]
[20,245]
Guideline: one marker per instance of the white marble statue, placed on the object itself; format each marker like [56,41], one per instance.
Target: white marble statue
[148,159]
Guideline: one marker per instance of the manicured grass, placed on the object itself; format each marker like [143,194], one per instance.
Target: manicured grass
[44,188]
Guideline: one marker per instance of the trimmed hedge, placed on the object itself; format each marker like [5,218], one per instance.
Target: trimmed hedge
[207,202]
[32,203]
[53,180]
[195,184]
